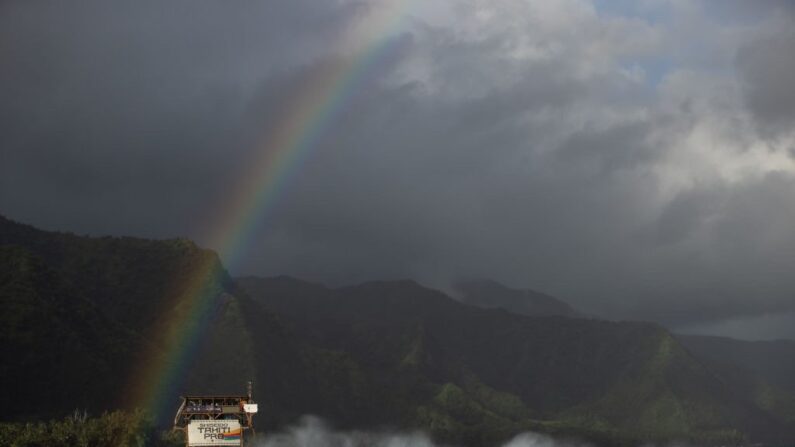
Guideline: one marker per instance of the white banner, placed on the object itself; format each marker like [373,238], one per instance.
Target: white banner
[214,432]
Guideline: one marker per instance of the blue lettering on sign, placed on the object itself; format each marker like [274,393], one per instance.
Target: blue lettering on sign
[214,432]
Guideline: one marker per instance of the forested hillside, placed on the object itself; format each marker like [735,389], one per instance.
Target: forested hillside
[476,376]
[81,311]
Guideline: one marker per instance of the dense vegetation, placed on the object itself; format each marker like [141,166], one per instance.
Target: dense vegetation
[413,356]
[114,429]
[80,311]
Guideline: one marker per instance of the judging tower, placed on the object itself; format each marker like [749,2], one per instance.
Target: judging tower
[216,421]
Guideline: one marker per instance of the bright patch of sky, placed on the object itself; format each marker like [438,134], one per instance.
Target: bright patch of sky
[656,14]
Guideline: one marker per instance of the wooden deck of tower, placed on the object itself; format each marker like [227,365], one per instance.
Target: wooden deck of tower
[215,421]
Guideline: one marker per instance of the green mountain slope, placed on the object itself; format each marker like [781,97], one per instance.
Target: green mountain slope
[84,311]
[81,311]
[773,361]
[128,279]
[470,373]
[54,342]
[762,372]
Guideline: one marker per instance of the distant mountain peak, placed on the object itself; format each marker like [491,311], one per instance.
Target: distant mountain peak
[487,293]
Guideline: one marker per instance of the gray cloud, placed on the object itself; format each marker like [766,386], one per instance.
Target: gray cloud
[767,66]
[538,143]
[137,109]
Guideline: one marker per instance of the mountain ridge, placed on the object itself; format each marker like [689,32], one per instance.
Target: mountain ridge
[381,353]
[489,294]
[350,318]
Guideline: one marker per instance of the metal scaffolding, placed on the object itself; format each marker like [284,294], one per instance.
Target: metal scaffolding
[216,421]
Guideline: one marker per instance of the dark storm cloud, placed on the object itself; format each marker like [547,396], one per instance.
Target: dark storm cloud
[523,141]
[495,182]
[767,66]
[139,108]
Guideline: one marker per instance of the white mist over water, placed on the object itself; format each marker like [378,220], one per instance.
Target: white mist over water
[313,432]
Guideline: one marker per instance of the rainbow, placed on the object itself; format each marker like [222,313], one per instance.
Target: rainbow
[321,98]
[233,435]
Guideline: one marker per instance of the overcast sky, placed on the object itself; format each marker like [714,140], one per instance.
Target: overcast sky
[635,158]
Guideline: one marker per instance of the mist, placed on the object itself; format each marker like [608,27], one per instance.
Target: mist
[312,431]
